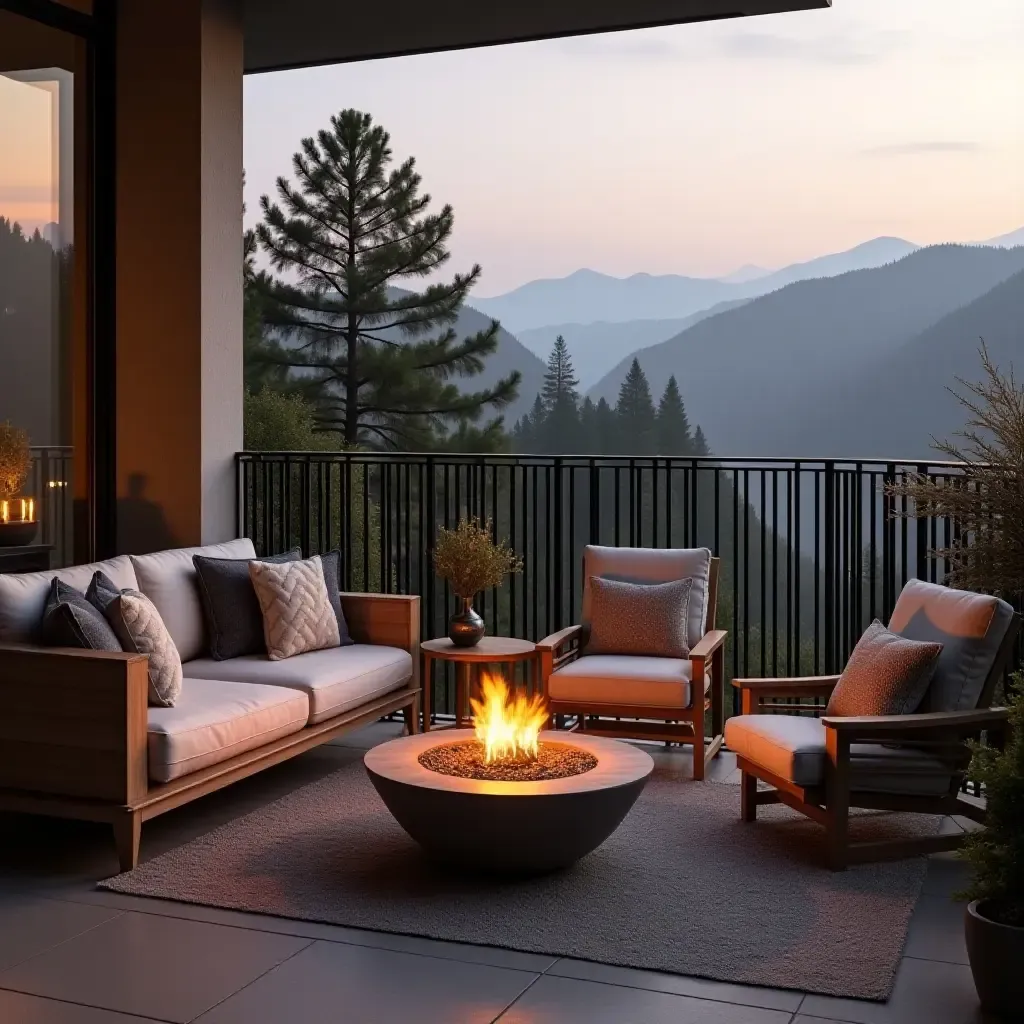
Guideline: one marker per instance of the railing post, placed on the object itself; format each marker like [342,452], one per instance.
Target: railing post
[920,569]
[557,573]
[830,565]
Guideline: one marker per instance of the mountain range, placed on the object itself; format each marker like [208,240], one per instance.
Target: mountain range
[769,377]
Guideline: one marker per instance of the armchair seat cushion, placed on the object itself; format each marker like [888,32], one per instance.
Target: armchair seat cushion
[792,747]
[335,680]
[214,720]
[624,679]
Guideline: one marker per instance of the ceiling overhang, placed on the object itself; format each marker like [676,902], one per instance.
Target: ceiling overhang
[305,33]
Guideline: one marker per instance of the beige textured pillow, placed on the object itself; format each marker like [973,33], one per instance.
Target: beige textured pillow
[297,612]
[636,618]
[886,675]
[138,626]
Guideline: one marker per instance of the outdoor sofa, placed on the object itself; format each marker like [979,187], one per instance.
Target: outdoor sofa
[79,740]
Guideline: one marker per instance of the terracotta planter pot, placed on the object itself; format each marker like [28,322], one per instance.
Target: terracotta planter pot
[996,953]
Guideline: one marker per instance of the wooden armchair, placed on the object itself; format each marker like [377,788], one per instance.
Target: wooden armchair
[824,766]
[643,697]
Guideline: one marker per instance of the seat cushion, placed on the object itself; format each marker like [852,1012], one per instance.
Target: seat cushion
[970,627]
[215,720]
[653,565]
[23,595]
[624,679]
[335,680]
[793,748]
[168,579]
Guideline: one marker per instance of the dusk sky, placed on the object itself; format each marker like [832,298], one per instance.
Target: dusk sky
[698,148]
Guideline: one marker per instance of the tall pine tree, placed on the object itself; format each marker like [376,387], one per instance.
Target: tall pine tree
[379,362]
[700,444]
[561,398]
[634,410]
[673,425]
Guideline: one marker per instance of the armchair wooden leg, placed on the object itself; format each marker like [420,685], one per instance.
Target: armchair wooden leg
[411,714]
[837,800]
[748,796]
[698,738]
[127,833]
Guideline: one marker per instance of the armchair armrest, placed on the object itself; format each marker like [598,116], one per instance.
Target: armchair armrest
[708,644]
[798,686]
[889,727]
[556,641]
[73,722]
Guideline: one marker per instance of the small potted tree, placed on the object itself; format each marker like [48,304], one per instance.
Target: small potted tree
[17,513]
[471,561]
[995,917]
[987,504]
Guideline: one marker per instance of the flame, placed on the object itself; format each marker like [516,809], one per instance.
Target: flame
[507,724]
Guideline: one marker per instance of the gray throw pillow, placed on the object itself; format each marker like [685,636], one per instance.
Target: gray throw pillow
[70,620]
[641,619]
[331,563]
[138,625]
[234,622]
[886,675]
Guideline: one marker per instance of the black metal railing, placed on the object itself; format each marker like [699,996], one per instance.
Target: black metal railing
[50,484]
[812,550]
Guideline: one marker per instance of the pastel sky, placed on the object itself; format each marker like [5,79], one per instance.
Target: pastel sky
[697,148]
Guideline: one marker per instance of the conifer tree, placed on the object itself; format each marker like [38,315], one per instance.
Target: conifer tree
[673,425]
[605,428]
[700,444]
[636,420]
[379,362]
[560,397]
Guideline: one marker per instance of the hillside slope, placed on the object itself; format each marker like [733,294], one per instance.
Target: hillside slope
[747,374]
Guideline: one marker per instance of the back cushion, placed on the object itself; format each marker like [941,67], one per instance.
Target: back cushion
[23,595]
[653,565]
[970,627]
[168,579]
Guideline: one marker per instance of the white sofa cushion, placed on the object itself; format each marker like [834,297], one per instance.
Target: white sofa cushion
[793,748]
[335,680]
[653,565]
[970,627]
[624,679]
[168,579]
[214,720]
[23,595]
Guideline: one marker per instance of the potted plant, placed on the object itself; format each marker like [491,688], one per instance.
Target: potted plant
[995,917]
[17,514]
[469,559]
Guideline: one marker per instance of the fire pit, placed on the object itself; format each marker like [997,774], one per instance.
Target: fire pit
[507,797]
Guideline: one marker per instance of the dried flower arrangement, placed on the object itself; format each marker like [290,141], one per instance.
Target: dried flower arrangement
[15,459]
[469,559]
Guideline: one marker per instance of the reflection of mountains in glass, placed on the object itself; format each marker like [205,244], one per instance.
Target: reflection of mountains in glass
[34,285]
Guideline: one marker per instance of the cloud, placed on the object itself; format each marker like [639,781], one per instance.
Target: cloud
[849,47]
[915,148]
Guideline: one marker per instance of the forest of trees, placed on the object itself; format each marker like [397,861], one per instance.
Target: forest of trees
[561,424]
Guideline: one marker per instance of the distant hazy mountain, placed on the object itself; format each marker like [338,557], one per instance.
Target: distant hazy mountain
[586,296]
[908,391]
[752,373]
[596,348]
[748,272]
[1008,241]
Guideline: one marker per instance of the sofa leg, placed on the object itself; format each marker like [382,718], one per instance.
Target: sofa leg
[127,833]
[411,714]
[748,796]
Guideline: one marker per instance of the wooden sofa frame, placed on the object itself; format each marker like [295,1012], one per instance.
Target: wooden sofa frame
[670,724]
[940,732]
[73,729]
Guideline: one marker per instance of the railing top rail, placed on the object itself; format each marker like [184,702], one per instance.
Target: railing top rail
[710,462]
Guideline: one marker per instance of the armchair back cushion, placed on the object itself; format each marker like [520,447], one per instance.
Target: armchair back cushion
[970,627]
[23,595]
[652,565]
[168,579]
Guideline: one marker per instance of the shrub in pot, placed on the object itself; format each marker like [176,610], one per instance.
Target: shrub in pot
[995,917]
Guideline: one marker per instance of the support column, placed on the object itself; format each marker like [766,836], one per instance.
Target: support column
[179,270]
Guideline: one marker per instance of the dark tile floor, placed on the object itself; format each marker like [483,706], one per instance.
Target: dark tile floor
[70,954]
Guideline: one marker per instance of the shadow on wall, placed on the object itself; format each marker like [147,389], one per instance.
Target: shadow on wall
[141,523]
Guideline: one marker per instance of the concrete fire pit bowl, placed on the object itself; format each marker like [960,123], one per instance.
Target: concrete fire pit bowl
[508,827]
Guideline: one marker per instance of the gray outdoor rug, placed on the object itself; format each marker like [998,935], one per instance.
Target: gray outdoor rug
[683,886]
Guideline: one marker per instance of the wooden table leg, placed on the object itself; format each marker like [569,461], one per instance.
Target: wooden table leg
[428,678]
[461,692]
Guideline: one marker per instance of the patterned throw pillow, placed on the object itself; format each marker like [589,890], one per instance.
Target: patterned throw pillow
[297,613]
[138,626]
[886,675]
[635,618]
[70,620]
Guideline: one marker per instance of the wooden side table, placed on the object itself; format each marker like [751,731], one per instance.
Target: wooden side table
[492,650]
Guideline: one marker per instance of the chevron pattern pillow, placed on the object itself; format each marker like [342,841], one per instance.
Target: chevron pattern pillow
[296,607]
[139,627]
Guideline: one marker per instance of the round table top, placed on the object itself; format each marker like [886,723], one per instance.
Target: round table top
[491,648]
